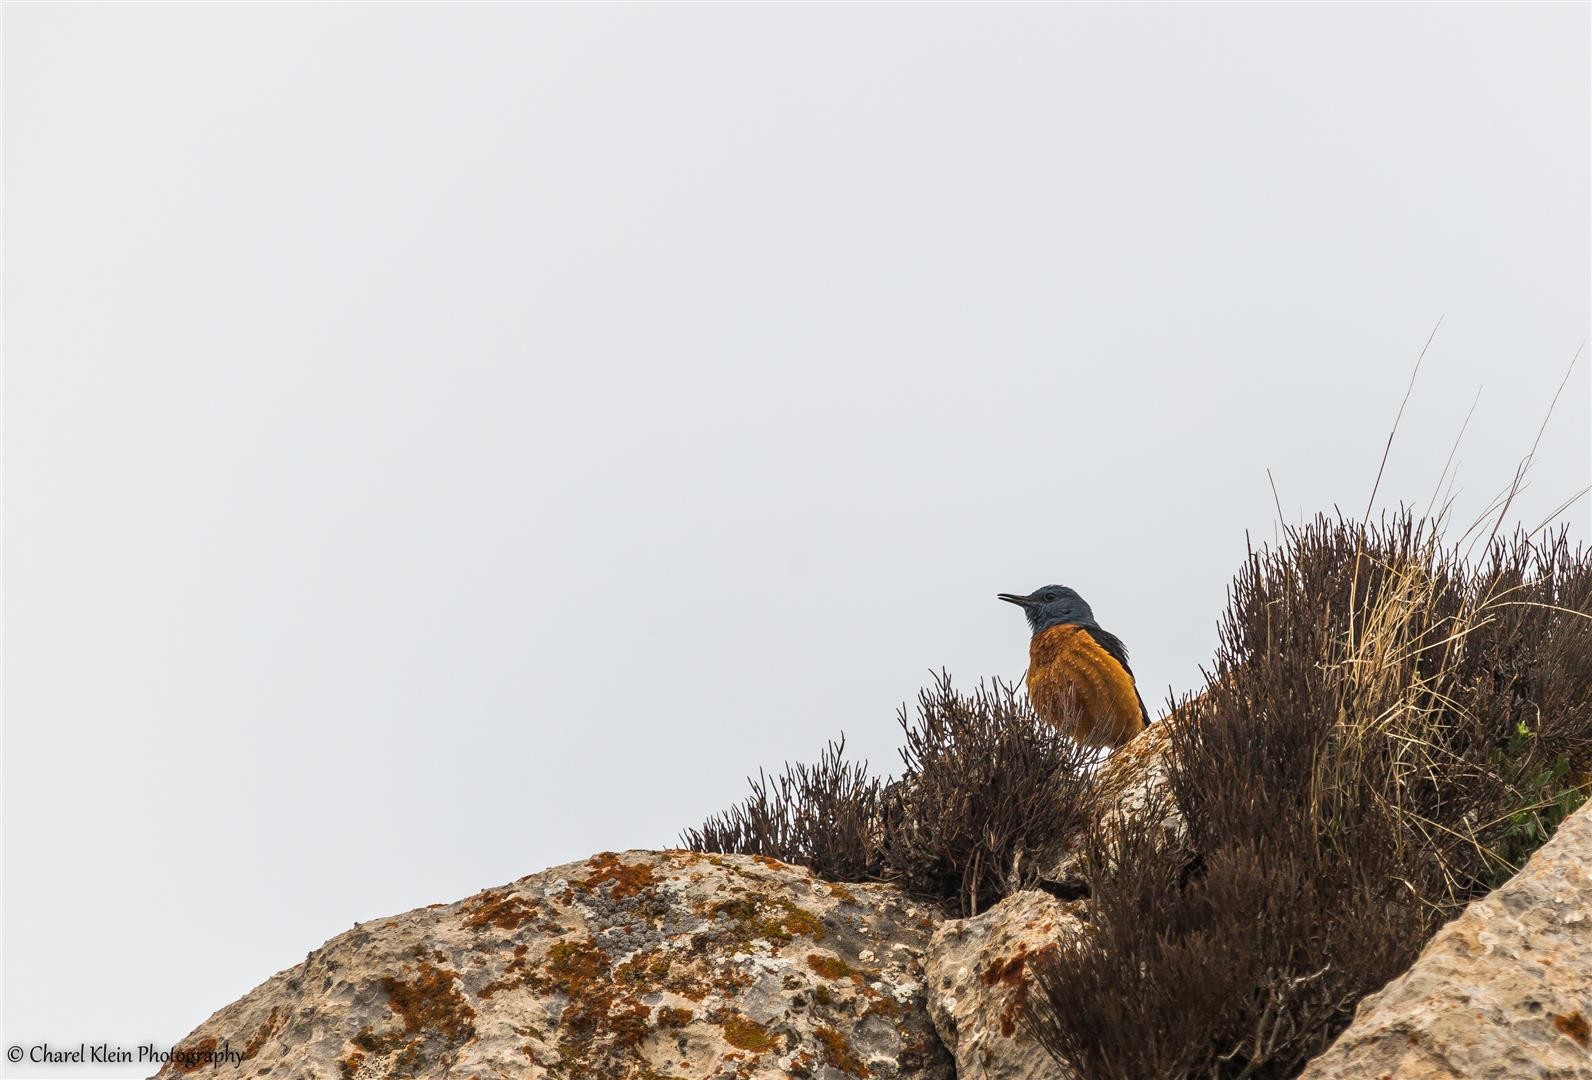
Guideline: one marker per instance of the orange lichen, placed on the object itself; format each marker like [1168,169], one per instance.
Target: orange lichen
[428,1002]
[671,1017]
[497,986]
[838,1054]
[273,1024]
[768,918]
[832,967]
[496,907]
[628,879]
[747,1034]
[430,1009]
[1011,974]
[1008,972]
[663,969]
[883,1005]
[197,1056]
[603,1022]
[1576,1027]
[651,967]
[514,974]
[518,960]
[369,1041]
[577,968]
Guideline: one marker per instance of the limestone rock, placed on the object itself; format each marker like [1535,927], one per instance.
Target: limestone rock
[978,981]
[1504,992]
[1135,777]
[1132,781]
[638,966]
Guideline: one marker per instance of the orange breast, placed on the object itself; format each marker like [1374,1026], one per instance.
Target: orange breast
[1081,689]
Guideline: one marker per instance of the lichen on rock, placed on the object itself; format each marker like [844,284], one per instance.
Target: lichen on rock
[634,966]
[1503,992]
[979,980]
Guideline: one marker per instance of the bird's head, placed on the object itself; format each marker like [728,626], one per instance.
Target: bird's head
[1052,605]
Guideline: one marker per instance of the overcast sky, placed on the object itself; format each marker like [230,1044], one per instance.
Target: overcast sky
[442,442]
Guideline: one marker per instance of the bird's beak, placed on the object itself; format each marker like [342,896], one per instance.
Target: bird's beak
[1020,601]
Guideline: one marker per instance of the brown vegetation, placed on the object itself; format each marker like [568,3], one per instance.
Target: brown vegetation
[984,782]
[1386,734]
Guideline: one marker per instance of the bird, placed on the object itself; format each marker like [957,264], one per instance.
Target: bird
[1078,675]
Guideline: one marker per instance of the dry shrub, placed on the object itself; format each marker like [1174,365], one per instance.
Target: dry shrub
[984,783]
[1386,733]
[824,816]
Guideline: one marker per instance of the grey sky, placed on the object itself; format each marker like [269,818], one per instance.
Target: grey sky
[446,441]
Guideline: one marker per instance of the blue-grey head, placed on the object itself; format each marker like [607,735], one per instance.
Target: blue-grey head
[1052,605]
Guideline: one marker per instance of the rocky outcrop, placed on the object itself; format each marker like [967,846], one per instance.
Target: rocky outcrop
[978,979]
[1504,992]
[1132,781]
[676,965]
[635,966]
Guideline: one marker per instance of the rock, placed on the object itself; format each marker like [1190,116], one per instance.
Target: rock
[639,966]
[978,981]
[1131,781]
[1504,992]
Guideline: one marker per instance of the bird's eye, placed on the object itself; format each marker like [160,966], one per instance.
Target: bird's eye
[1050,598]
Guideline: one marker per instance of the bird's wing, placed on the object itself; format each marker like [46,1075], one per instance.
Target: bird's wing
[1118,652]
